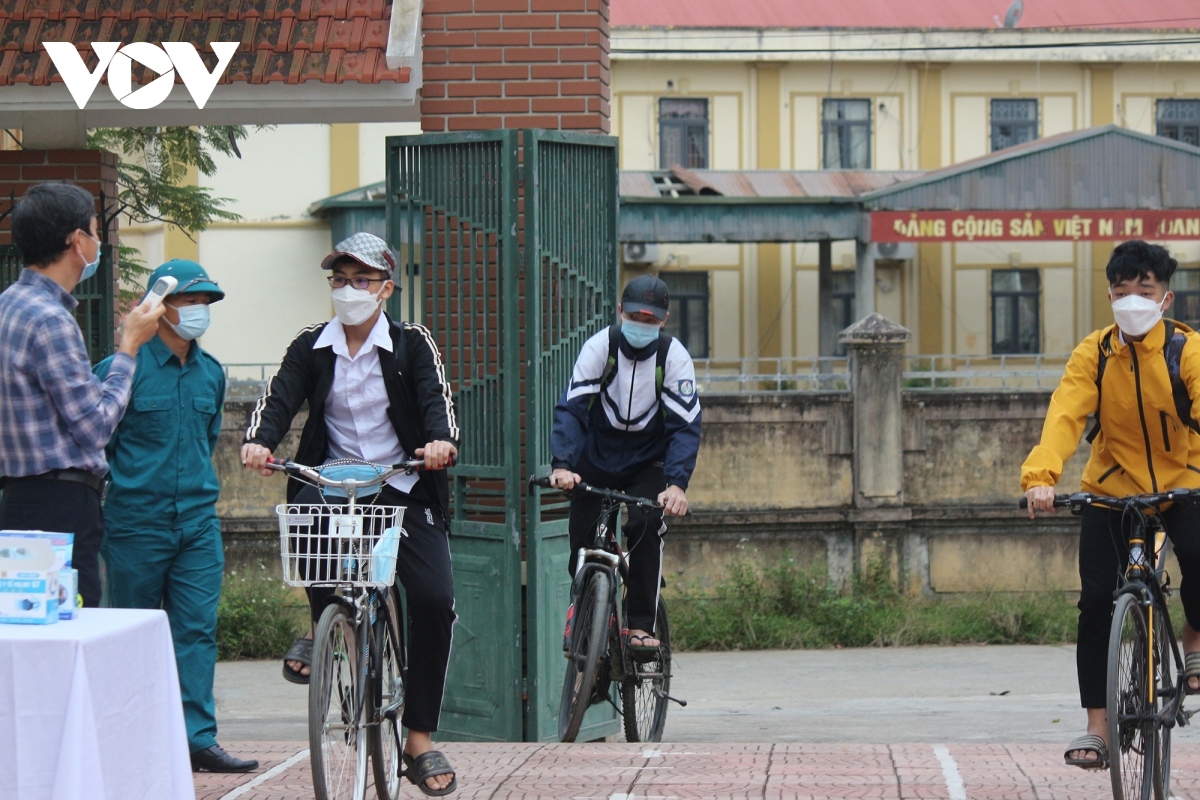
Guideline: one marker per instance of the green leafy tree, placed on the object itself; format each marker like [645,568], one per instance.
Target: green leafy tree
[151,183]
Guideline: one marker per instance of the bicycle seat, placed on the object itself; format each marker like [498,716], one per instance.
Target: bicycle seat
[365,475]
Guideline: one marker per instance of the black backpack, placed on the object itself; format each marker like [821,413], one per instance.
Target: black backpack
[1172,352]
[610,366]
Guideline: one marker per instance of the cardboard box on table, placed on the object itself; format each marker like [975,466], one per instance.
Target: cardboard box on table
[17,545]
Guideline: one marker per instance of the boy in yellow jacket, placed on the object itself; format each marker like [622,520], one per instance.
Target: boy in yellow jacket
[1142,446]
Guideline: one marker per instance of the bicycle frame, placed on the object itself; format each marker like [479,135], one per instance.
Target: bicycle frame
[605,555]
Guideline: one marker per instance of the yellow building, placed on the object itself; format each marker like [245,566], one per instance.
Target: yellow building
[778,85]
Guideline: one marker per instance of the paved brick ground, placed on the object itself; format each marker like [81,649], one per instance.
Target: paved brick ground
[759,771]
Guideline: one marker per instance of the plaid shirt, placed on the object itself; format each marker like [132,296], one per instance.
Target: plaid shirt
[54,414]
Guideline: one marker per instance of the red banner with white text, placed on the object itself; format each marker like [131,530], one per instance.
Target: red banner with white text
[1032,226]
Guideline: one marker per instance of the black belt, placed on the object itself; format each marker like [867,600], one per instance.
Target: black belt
[70,474]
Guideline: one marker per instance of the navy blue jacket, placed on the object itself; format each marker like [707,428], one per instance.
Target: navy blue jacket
[626,426]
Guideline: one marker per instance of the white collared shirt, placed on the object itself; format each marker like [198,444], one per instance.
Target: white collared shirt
[356,407]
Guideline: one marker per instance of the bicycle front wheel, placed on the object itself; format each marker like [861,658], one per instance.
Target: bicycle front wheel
[588,634]
[644,693]
[1131,735]
[387,693]
[1165,698]
[335,708]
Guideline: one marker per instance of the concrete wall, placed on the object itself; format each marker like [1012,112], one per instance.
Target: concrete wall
[774,480]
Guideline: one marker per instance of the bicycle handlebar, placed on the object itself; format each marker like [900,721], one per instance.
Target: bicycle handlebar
[620,497]
[1080,499]
[313,474]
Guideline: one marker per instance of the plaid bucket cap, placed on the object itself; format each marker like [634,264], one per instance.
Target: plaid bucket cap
[365,248]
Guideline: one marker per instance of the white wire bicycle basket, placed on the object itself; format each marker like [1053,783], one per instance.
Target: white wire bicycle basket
[324,545]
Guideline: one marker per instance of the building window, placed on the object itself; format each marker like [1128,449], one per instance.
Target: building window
[1016,311]
[689,310]
[1186,308]
[1179,120]
[682,133]
[1013,122]
[846,133]
[843,305]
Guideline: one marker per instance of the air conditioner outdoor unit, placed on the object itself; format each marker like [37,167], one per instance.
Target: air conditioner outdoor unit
[639,253]
[894,251]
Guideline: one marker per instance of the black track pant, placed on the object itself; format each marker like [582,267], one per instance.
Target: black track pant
[32,504]
[423,568]
[1103,555]
[643,536]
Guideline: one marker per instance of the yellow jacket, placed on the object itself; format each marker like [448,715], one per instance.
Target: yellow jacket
[1143,446]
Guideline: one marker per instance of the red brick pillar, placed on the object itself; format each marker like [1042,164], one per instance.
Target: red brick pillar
[93,170]
[492,64]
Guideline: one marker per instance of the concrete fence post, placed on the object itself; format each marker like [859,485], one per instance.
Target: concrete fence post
[879,518]
[876,348]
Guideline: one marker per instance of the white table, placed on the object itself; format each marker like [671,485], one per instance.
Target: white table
[90,708]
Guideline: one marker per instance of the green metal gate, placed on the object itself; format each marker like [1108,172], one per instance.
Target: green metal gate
[570,294]
[95,312]
[509,328]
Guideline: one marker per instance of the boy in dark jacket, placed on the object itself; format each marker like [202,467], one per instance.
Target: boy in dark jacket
[376,391]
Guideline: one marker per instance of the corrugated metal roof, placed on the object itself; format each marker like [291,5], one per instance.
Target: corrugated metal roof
[905,14]
[772,183]
[1099,168]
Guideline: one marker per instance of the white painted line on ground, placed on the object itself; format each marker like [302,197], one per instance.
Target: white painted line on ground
[266,776]
[954,781]
[652,754]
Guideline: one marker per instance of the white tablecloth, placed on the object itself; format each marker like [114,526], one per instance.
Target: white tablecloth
[90,708]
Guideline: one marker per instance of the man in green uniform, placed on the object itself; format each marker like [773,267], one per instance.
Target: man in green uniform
[162,545]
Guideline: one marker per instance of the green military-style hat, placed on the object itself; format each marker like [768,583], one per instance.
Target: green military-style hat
[191,277]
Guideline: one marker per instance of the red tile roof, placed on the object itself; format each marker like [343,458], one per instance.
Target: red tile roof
[905,14]
[286,41]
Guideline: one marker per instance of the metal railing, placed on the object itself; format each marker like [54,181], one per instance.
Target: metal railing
[1032,372]
[1025,372]
[247,382]
[772,375]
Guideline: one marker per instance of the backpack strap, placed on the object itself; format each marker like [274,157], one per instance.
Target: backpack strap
[1105,347]
[609,374]
[1173,353]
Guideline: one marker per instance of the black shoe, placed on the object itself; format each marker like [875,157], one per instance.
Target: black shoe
[215,759]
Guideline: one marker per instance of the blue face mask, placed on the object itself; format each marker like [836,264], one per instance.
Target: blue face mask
[639,334]
[193,321]
[89,269]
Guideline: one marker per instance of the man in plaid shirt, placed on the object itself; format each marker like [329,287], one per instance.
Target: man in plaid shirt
[55,416]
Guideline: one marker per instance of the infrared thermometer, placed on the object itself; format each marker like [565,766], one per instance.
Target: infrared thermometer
[161,288]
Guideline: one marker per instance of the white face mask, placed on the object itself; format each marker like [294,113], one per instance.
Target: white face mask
[1135,315]
[354,306]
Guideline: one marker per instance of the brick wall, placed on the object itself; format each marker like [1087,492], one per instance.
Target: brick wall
[492,64]
[94,170]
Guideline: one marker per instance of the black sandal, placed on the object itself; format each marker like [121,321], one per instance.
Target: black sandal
[428,765]
[1191,669]
[301,650]
[637,642]
[1089,743]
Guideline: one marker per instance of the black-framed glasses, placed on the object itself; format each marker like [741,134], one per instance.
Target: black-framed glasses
[338,281]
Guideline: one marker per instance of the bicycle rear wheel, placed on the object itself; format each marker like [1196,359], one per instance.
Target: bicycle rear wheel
[644,693]
[387,694]
[1131,736]
[335,708]
[588,634]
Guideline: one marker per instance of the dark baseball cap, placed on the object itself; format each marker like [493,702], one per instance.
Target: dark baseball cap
[646,294]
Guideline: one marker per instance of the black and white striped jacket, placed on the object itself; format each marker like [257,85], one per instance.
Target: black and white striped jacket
[421,407]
